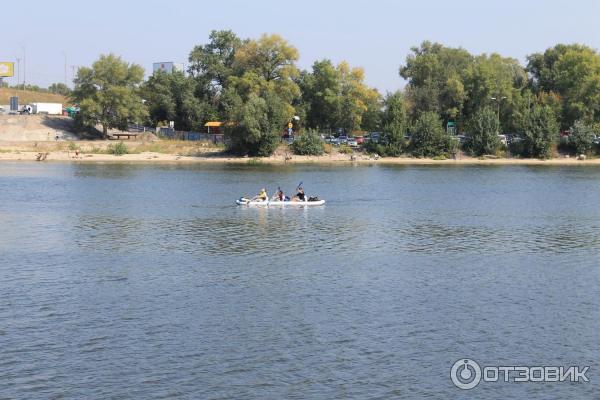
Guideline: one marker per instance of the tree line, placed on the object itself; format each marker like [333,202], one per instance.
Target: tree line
[256,88]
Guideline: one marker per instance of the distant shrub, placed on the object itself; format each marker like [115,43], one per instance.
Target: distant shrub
[483,130]
[309,144]
[73,146]
[345,149]
[582,138]
[386,150]
[428,136]
[117,149]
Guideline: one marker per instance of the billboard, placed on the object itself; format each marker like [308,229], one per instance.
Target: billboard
[167,67]
[7,69]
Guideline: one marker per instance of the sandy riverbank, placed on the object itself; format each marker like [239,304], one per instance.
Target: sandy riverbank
[217,157]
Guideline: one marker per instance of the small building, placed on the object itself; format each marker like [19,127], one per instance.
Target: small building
[213,127]
[168,67]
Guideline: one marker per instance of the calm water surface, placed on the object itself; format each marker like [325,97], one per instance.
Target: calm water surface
[145,282]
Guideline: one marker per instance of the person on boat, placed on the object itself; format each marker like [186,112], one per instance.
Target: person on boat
[280,196]
[262,196]
[300,196]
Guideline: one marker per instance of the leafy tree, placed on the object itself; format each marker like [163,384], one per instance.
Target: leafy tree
[213,63]
[171,97]
[428,137]
[483,132]
[337,97]
[59,88]
[321,94]
[309,144]
[494,80]
[540,130]
[355,97]
[435,77]
[107,93]
[395,125]
[267,64]
[582,137]
[573,73]
[255,124]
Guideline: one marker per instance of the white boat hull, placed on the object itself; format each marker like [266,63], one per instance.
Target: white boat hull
[245,202]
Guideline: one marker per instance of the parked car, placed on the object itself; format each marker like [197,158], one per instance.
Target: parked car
[360,139]
[375,136]
[343,139]
[352,142]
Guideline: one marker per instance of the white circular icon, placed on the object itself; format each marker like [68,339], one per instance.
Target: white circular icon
[465,374]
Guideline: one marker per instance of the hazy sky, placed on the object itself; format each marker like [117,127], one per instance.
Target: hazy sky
[374,34]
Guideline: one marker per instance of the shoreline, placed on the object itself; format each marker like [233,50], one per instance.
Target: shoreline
[339,159]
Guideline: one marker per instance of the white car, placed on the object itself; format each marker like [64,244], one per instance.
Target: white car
[352,143]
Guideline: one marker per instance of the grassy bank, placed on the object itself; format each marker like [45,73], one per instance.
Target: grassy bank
[28,96]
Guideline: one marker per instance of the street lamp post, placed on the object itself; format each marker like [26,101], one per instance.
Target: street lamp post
[498,100]
[18,72]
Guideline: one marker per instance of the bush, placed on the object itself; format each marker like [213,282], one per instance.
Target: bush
[309,144]
[428,137]
[73,146]
[256,124]
[540,129]
[581,139]
[345,149]
[117,149]
[483,131]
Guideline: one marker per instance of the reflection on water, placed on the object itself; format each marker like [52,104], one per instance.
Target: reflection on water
[149,278]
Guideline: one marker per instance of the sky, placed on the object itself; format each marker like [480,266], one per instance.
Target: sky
[376,34]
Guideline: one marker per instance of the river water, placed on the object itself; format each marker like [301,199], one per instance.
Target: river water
[146,282]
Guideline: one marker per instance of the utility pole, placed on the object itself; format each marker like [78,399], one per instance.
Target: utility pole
[65,54]
[18,72]
[24,66]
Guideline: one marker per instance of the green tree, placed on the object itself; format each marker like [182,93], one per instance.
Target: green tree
[573,73]
[483,132]
[428,137]
[59,88]
[255,124]
[171,97]
[582,137]
[435,77]
[355,97]
[267,65]
[496,81]
[309,144]
[337,97]
[540,130]
[107,93]
[395,125]
[321,90]
[212,63]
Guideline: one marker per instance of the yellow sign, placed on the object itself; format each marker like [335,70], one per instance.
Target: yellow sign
[7,69]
